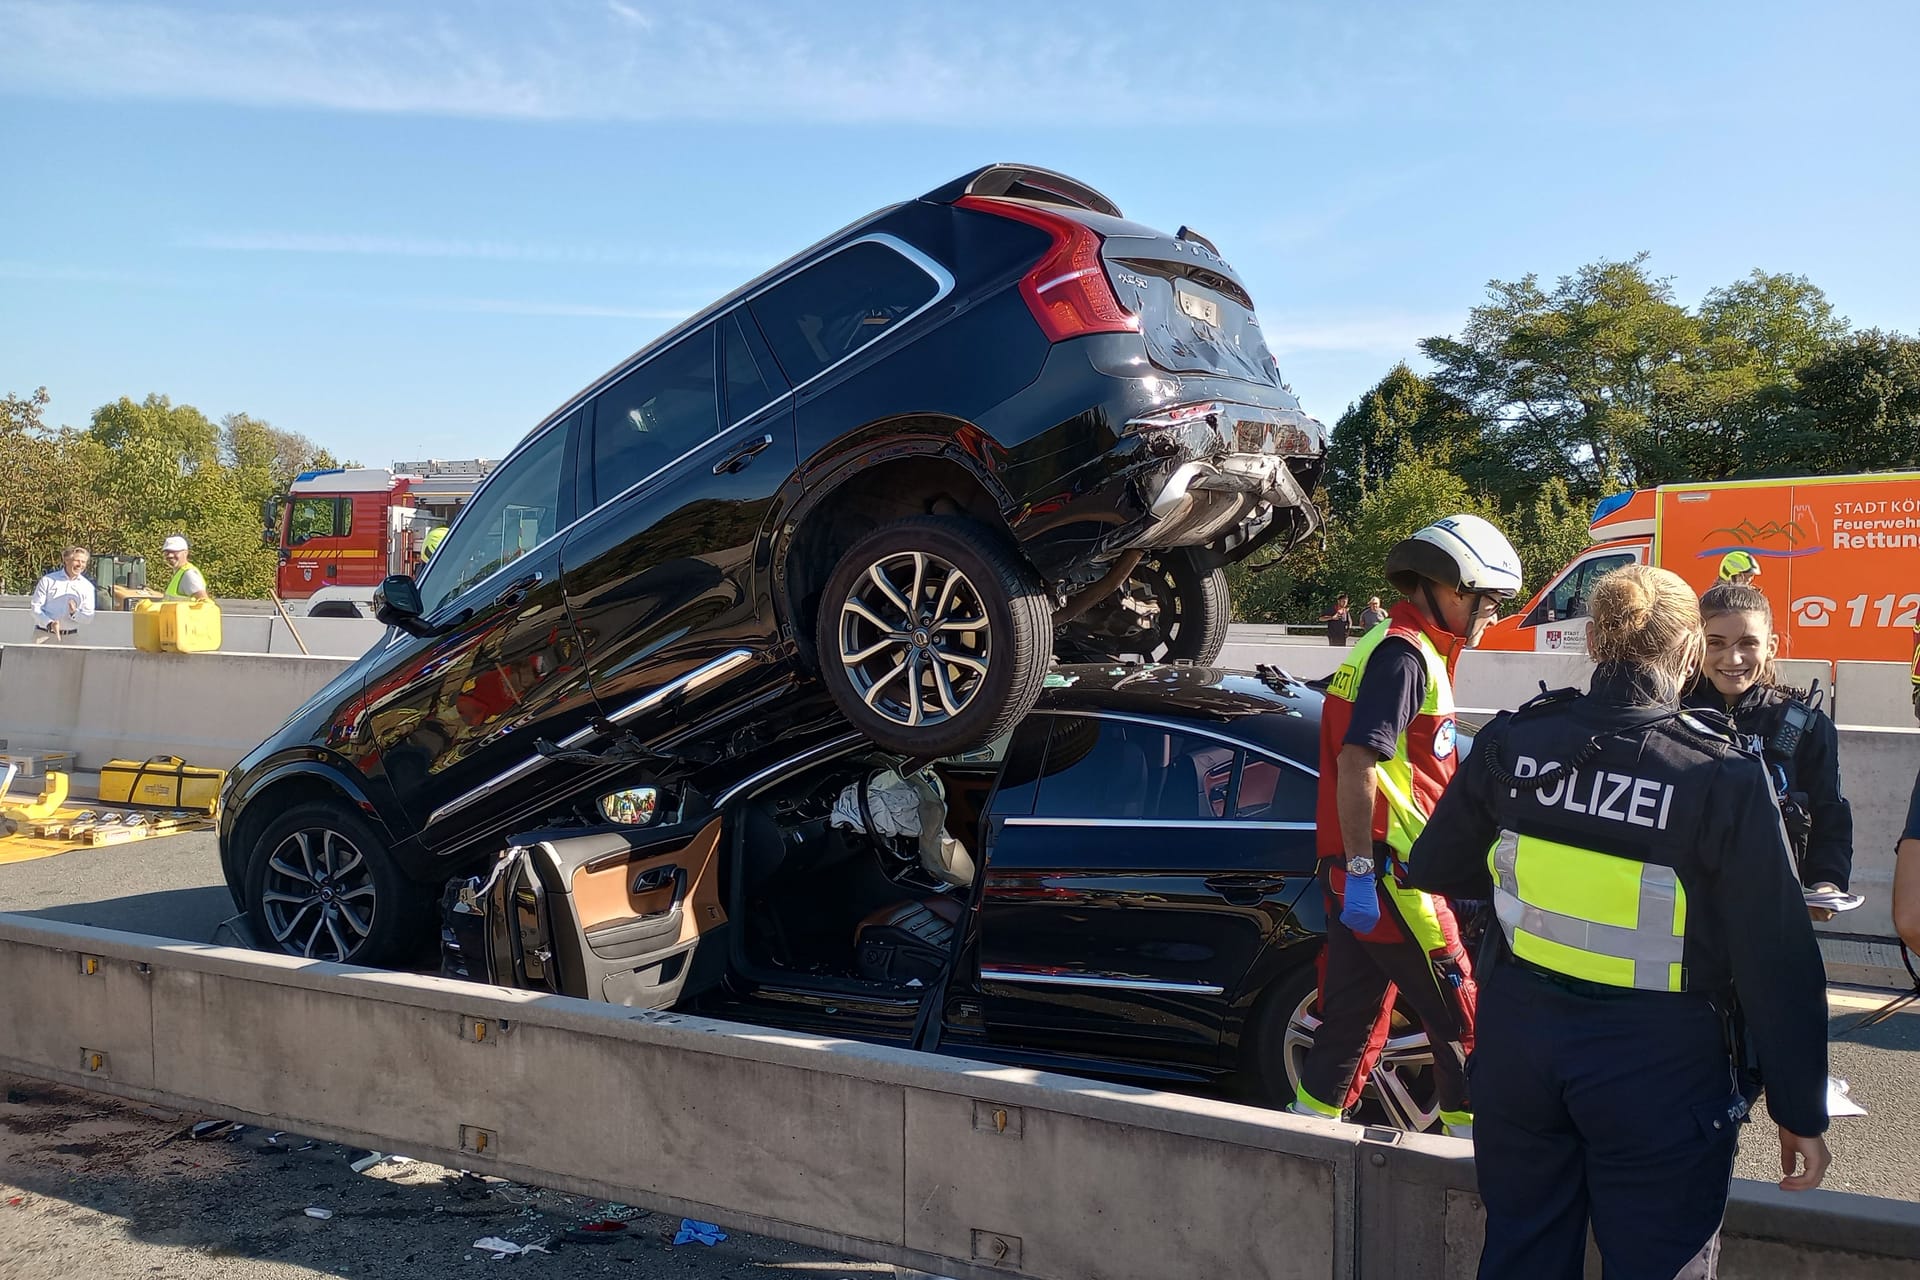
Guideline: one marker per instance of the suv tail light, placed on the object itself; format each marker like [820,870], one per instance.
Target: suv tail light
[1067,290]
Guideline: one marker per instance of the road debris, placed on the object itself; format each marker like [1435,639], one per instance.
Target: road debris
[315,1211]
[692,1232]
[212,1130]
[500,1247]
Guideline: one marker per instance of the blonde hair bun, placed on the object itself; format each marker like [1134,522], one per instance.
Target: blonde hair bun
[1647,617]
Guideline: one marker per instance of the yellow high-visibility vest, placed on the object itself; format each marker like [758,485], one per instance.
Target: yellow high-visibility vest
[1605,919]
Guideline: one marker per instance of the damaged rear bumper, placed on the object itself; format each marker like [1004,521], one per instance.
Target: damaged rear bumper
[1219,473]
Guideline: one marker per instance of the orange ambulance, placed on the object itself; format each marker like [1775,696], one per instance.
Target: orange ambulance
[1839,561]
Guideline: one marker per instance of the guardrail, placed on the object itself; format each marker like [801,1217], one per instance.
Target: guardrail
[960,1168]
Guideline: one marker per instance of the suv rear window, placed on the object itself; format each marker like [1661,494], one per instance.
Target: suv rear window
[835,307]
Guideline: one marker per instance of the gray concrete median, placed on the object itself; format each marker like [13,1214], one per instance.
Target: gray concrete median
[947,1166]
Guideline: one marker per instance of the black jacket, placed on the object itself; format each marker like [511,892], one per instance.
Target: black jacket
[1680,793]
[1813,777]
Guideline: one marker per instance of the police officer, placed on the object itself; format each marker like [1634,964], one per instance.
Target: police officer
[1797,740]
[1642,882]
[1386,754]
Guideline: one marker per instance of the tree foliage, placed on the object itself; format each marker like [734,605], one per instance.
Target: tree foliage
[1548,399]
[141,470]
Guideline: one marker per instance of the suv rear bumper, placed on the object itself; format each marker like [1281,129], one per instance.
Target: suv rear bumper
[1213,468]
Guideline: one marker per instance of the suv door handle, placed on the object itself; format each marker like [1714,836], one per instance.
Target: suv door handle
[517,590]
[739,458]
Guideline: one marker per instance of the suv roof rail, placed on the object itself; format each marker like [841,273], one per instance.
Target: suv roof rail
[1024,182]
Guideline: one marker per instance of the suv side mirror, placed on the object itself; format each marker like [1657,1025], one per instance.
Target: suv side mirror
[397,601]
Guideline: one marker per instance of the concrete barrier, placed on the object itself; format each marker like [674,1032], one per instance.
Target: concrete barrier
[1877,694]
[939,1164]
[239,633]
[104,704]
[1877,769]
[960,1168]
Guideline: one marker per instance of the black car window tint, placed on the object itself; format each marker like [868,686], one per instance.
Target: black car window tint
[1020,769]
[1274,792]
[747,390]
[653,415]
[516,510]
[1120,769]
[832,309]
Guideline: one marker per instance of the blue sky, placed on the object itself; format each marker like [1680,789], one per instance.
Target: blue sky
[411,230]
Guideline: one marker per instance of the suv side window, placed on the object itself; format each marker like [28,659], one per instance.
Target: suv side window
[748,389]
[653,415]
[1118,769]
[837,306]
[517,509]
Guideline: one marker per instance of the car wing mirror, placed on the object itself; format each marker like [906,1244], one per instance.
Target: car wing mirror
[396,602]
[631,806]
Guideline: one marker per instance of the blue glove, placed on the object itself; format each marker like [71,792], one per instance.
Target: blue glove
[1361,910]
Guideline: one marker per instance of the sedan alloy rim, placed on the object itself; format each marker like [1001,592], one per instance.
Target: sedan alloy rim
[914,639]
[319,895]
[1401,1085]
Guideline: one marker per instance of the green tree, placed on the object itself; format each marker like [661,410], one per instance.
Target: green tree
[1416,492]
[184,430]
[1570,382]
[1855,409]
[32,491]
[1553,529]
[1402,412]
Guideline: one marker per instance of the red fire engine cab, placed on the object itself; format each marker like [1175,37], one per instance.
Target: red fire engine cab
[344,530]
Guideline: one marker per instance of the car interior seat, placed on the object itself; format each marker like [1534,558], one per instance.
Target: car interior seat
[1190,783]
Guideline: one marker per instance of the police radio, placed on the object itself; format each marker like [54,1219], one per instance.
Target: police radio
[1795,716]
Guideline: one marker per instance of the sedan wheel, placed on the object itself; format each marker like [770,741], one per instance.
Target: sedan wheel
[1399,1091]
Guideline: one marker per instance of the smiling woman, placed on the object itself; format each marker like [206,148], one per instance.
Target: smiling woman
[1797,738]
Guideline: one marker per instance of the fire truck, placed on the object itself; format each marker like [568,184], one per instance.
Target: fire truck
[341,531]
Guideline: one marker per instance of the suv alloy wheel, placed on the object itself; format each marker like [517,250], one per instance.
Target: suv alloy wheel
[933,636]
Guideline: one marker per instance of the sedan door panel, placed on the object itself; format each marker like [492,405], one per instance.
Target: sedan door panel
[628,909]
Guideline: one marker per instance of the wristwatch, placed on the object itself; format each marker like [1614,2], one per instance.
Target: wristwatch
[1359,866]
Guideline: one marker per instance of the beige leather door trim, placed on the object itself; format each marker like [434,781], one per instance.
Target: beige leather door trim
[603,891]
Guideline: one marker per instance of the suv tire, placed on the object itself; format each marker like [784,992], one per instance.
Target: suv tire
[321,886]
[890,610]
[1195,609]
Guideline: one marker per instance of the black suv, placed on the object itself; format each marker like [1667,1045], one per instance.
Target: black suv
[965,434]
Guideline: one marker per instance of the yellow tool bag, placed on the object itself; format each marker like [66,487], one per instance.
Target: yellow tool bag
[164,782]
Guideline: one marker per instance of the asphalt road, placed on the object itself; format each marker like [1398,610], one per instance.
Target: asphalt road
[172,887]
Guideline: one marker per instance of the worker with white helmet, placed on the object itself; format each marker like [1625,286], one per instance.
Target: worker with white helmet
[1386,754]
[186,582]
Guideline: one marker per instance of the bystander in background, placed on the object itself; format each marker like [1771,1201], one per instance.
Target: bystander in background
[63,598]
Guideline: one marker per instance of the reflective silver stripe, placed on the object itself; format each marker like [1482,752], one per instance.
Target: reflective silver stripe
[1651,947]
[1111,984]
[694,679]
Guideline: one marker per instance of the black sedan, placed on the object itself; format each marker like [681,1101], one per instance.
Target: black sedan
[1123,887]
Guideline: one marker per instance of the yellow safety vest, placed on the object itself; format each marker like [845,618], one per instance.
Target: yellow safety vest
[1415,772]
[1588,915]
[173,584]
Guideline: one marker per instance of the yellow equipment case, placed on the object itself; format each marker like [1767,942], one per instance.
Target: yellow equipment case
[164,782]
[176,626]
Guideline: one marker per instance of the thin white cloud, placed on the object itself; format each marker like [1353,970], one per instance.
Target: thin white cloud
[588,59]
[1386,333]
[298,242]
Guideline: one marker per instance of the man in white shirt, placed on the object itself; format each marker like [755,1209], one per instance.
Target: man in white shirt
[63,599]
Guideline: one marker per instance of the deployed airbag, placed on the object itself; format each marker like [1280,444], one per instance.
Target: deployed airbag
[913,808]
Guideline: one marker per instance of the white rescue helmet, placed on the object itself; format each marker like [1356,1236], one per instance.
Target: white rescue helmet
[1461,551]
